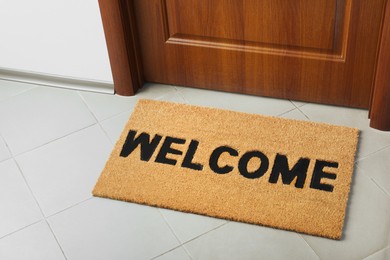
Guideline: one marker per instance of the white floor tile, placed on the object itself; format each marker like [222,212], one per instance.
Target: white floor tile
[108,229]
[298,103]
[41,115]
[176,254]
[367,224]
[32,243]
[383,254]
[295,114]
[11,88]
[115,125]
[371,140]
[243,241]
[155,91]
[237,102]
[104,106]
[174,97]
[61,173]
[4,151]
[377,166]
[188,226]
[65,171]
[17,206]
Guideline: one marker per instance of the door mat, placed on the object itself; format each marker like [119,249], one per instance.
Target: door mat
[270,171]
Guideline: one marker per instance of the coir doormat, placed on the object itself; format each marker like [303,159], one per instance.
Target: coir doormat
[275,172]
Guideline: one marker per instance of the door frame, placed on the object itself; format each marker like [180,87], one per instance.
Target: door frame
[121,37]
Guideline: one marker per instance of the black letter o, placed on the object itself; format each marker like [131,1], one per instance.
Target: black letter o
[243,164]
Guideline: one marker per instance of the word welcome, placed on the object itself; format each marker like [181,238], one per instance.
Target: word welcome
[280,165]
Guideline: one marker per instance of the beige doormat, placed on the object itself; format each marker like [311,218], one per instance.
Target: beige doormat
[275,172]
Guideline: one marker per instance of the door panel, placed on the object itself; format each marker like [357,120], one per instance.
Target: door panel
[313,50]
[309,25]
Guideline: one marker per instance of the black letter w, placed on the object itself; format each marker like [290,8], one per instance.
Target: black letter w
[147,147]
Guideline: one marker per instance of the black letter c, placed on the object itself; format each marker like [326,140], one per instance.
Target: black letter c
[215,156]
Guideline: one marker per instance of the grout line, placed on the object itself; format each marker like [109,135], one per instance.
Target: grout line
[166,252]
[372,153]
[93,115]
[305,103]
[288,111]
[187,252]
[97,121]
[192,239]
[380,250]
[226,222]
[86,104]
[183,243]
[20,229]
[6,159]
[29,188]
[292,103]
[166,221]
[144,90]
[36,201]
[304,114]
[174,233]
[55,237]
[166,95]
[44,218]
[128,113]
[175,87]
[69,207]
[107,136]
[373,180]
[7,147]
[379,186]
[298,108]
[357,160]
[301,236]
[56,139]
[33,86]
[181,95]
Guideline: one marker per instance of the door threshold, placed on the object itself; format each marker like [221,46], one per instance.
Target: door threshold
[56,81]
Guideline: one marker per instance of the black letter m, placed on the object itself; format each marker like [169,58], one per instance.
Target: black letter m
[299,171]
[147,147]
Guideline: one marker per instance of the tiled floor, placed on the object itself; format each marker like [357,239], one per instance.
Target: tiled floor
[54,143]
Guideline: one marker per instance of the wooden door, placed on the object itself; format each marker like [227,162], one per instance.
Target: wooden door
[326,51]
[313,50]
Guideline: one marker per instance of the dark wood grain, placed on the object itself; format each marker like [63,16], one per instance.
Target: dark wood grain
[263,22]
[291,60]
[332,52]
[380,106]
[121,38]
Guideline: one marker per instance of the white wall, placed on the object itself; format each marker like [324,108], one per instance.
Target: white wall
[57,37]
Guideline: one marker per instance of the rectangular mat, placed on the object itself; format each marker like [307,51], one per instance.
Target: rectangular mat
[270,171]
